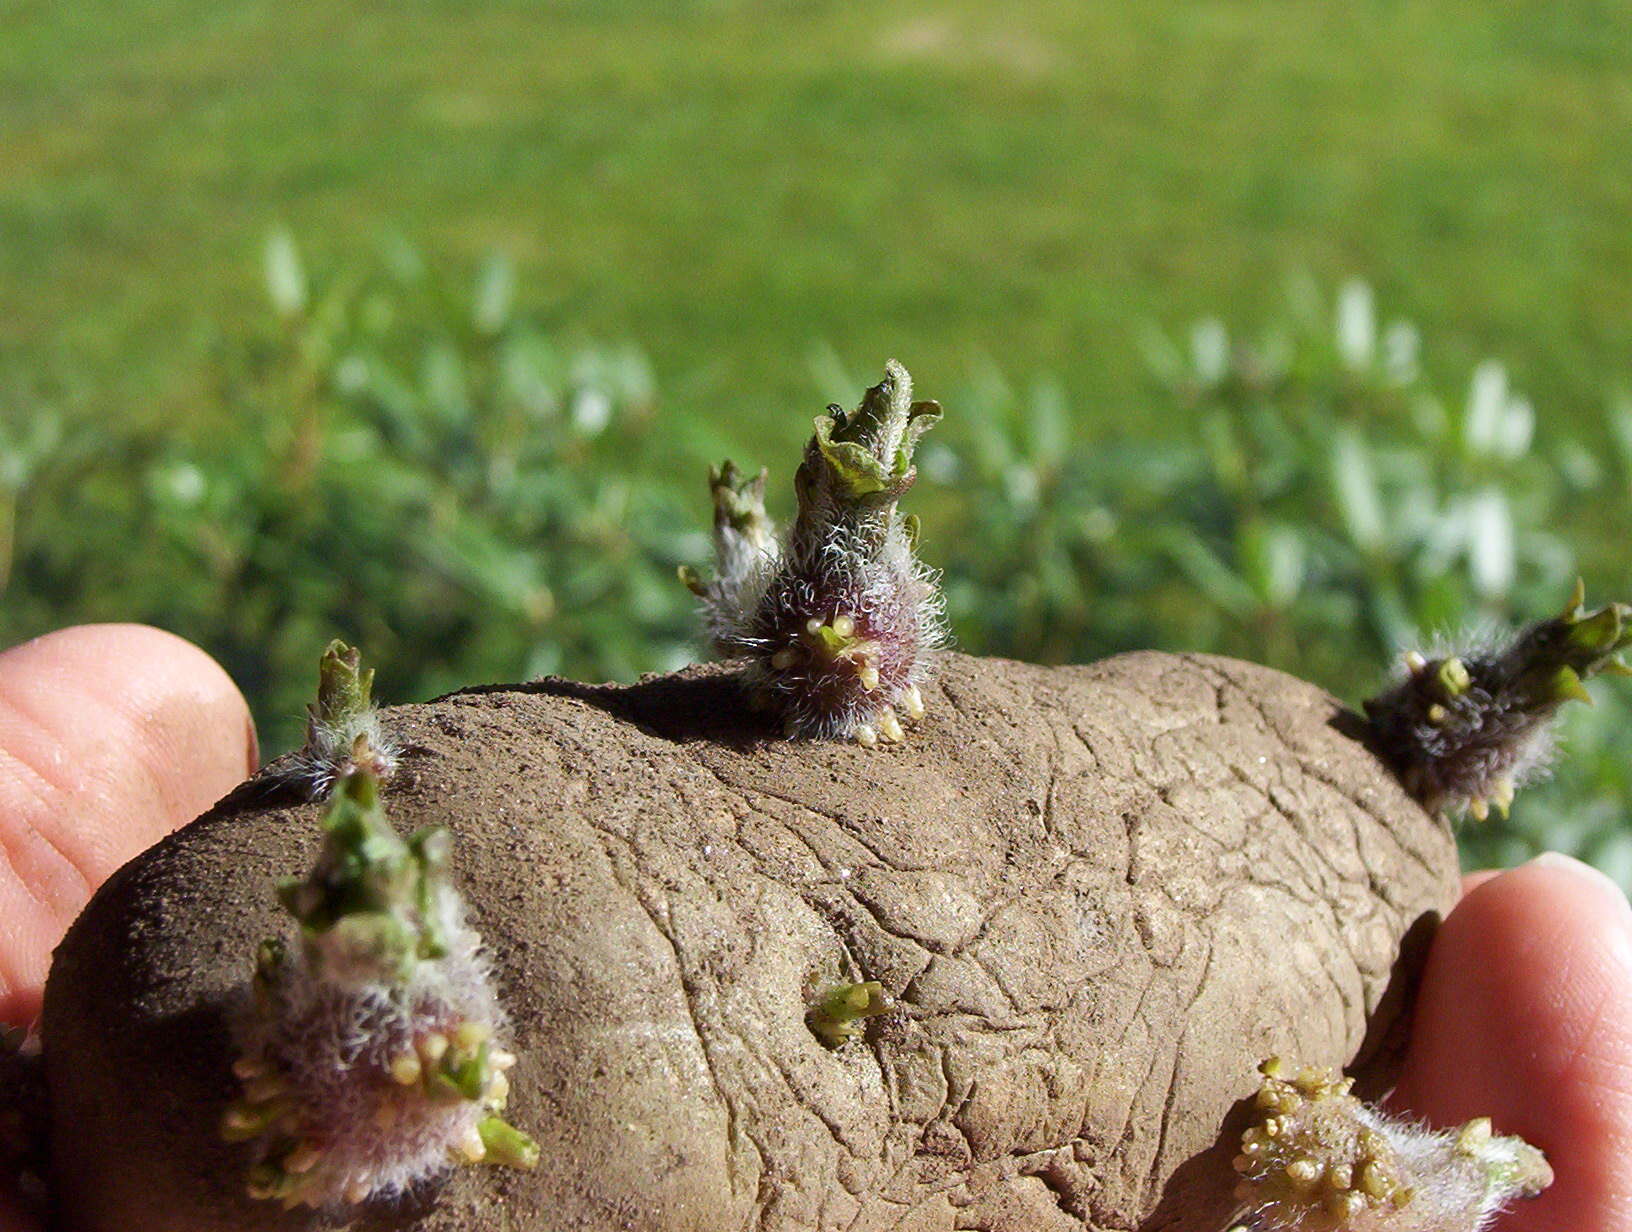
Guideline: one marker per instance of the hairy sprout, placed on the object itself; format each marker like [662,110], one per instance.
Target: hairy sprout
[1317,1159]
[840,624]
[746,552]
[371,1051]
[342,726]
[1466,730]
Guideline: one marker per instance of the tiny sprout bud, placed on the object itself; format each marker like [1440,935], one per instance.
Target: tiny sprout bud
[1452,678]
[368,1059]
[505,1144]
[1334,1164]
[344,688]
[889,727]
[836,1018]
[342,726]
[745,552]
[1465,731]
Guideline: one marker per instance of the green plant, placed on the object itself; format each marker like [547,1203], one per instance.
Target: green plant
[412,464]
[418,465]
[1324,507]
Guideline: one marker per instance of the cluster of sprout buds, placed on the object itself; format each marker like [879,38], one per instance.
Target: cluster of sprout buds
[371,1052]
[1465,731]
[1317,1159]
[840,621]
[839,1017]
[342,726]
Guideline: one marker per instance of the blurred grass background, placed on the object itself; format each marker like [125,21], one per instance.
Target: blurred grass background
[533,264]
[726,181]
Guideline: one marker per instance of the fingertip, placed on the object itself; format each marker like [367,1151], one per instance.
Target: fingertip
[145,701]
[1525,1015]
[110,737]
[1554,920]
[1569,876]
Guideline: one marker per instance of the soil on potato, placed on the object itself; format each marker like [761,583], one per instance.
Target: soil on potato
[1100,895]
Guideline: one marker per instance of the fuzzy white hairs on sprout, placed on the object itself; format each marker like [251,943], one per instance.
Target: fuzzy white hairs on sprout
[1317,1159]
[371,1052]
[342,726]
[1466,730]
[746,554]
[841,622]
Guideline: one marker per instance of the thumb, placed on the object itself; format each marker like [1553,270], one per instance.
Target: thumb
[111,736]
[1525,1016]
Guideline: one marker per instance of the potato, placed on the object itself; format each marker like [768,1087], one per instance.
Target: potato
[1097,898]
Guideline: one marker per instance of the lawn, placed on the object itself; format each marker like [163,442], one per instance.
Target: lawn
[731,184]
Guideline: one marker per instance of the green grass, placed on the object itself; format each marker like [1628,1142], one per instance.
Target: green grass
[729,182]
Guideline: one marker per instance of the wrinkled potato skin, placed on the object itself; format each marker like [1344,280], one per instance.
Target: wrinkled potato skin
[1099,894]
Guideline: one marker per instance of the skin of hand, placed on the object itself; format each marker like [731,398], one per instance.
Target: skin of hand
[111,736]
[1525,1016]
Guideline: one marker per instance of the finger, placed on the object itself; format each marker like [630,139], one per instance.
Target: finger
[111,736]
[1472,881]
[1525,1016]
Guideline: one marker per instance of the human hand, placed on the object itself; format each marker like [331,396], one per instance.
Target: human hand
[113,735]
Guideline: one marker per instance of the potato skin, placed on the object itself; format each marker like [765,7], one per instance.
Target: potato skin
[1101,894]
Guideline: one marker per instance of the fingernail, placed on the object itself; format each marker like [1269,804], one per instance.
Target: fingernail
[1602,886]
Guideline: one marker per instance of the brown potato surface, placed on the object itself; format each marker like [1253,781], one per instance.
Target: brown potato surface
[1100,895]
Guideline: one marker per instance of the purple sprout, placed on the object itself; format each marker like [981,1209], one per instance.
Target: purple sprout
[371,1052]
[1466,730]
[840,622]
